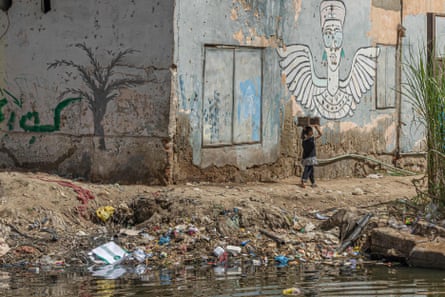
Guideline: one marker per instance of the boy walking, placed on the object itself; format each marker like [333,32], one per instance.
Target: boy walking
[309,154]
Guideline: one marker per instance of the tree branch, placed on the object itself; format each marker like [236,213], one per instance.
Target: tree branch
[124,82]
[86,77]
[97,69]
[80,93]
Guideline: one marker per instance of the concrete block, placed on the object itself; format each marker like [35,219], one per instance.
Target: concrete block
[390,242]
[428,254]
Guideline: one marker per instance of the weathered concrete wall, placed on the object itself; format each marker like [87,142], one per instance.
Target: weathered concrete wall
[222,95]
[415,44]
[369,130]
[229,90]
[367,126]
[115,57]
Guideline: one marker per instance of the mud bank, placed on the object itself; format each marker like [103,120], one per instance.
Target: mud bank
[46,220]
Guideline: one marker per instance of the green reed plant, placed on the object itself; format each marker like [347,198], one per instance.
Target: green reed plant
[424,88]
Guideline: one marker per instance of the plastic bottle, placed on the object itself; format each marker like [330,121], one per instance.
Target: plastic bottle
[244,243]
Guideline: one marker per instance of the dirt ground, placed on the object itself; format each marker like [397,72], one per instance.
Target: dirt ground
[42,215]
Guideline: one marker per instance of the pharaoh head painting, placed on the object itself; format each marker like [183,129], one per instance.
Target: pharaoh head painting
[332,17]
[329,96]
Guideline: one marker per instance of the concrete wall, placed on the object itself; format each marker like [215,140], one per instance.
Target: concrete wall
[117,129]
[363,117]
[229,93]
[203,89]
[414,45]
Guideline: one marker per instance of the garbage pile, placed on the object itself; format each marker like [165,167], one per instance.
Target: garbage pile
[225,239]
[159,230]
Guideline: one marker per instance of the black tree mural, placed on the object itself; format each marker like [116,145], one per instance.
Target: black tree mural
[102,83]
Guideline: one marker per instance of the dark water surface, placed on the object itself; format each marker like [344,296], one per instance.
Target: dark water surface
[313,280]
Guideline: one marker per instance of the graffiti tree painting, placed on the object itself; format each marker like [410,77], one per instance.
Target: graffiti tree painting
[102,82]
[330,97]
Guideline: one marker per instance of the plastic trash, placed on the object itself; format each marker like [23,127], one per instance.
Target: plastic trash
[321,217]
[244,243]
[139,255]
[353,263]
[192,230]
[164,240]
[282,260]
[108,271]
[234,250]
[221,254]
[218,251]
[140,269]
[110,253]
[309,227]
[291,291]
[374,176]
[219,270]
[250,250]
[105,212]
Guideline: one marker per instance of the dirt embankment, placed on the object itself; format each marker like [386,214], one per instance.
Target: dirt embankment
[48,220]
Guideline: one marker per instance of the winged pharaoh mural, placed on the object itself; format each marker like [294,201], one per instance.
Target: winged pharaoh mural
[330,97]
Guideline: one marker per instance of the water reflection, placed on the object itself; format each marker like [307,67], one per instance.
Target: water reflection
[313,280]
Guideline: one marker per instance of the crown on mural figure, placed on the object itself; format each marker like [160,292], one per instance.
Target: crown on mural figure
[332,10]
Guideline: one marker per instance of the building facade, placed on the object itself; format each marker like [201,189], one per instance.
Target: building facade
[168,91]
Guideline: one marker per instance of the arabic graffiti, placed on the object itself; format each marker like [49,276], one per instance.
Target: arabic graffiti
[3,102]
[45,128]
[32,115]
[330,97]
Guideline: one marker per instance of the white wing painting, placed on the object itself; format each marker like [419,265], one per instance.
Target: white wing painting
[330,97]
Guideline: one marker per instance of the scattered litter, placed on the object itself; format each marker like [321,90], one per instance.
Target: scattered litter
[105,212]
[108,271]
[244,243]
[139,255]
[110,253]
[282,260]
[321,217]
[375,176]
[291,291]
[218,251]
[130,232]
[234,250]
[309,227]
[164,240]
